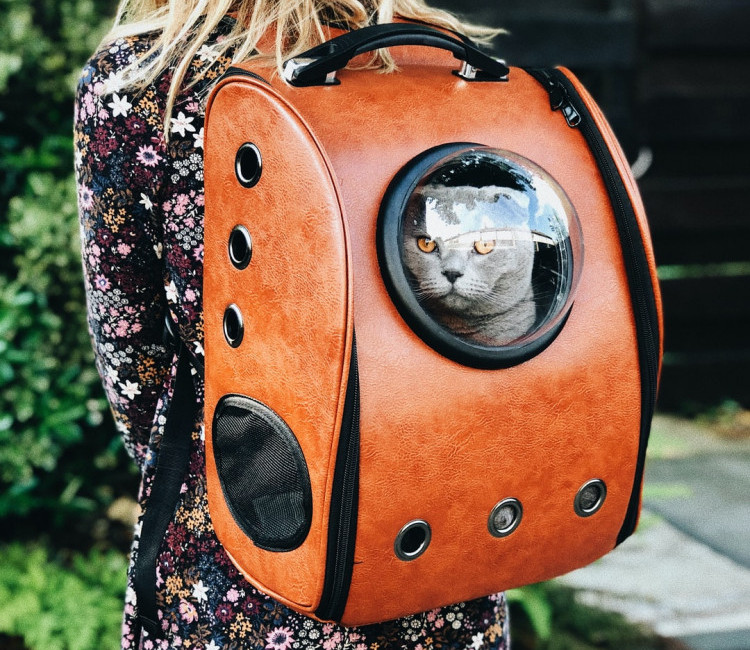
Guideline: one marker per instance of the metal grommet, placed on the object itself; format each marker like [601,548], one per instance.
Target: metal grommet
[590,497]
[234,328]
[505,517]
[412,540]
[240,247]
[248,164]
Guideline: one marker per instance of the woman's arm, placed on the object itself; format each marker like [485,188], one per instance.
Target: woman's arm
[119,149]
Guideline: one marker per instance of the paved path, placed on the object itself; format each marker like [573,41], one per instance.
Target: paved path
[686,571]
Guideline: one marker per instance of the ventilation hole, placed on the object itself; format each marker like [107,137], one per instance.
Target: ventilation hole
[590,497]
[240,247]
[505,517]
[248,164]
[413,540]
[234,328]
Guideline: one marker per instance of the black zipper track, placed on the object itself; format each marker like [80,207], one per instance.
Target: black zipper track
[342,526]
[233,71]
[565,97]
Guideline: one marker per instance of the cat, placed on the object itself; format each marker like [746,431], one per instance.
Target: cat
[470,255]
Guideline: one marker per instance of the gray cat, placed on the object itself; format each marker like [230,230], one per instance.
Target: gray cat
[470,254]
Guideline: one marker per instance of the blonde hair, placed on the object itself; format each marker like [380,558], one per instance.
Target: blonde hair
[182,27]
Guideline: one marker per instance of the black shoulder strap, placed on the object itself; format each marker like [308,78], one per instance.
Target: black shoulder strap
[171,467]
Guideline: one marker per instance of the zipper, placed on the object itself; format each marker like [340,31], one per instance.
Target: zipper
[565,97]
[342,527]
[234,70]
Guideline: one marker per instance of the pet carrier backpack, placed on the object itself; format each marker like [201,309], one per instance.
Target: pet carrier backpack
[432,326]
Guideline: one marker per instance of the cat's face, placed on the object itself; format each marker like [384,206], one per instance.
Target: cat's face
[469,250]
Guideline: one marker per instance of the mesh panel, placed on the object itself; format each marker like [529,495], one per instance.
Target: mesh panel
[263,473]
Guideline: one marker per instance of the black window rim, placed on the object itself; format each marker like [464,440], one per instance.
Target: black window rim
[389,250]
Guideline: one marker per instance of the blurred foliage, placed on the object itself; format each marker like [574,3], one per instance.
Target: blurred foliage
[59,454]
[54,603]
[547,616]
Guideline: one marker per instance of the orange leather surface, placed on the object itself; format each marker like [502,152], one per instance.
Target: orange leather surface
[439,441]
[295,297]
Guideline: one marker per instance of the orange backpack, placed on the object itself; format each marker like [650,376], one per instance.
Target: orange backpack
[481,233]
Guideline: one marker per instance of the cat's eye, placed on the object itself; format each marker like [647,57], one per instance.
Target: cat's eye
[484,246]
[426,245]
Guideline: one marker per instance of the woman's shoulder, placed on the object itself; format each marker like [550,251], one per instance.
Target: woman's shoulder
[109,62]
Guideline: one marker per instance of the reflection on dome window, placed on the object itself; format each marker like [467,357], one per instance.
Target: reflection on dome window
[489,249]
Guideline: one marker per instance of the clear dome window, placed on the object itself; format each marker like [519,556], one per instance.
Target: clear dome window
[481,250]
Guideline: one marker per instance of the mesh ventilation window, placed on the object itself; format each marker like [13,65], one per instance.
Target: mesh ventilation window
[481,250]
[263,473]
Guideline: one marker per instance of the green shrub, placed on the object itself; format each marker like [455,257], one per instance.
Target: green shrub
[59,453]
[51,605]
[547,616]
[49,388]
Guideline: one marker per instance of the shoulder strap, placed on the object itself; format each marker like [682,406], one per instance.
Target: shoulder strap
[171,467]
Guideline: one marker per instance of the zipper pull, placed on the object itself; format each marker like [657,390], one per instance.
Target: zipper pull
[572,116]
[559,100]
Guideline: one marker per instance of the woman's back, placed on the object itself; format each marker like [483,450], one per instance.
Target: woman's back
[141,205]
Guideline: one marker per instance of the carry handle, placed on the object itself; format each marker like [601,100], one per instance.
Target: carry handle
[318,65]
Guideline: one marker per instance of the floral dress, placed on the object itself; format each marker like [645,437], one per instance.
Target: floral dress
[141,212]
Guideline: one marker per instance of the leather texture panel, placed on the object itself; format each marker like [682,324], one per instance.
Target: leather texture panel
[295,298]
[441,441]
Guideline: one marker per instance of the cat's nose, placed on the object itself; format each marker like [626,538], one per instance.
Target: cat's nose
[452,275]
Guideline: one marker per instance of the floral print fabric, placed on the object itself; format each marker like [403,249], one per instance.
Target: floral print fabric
[141,211]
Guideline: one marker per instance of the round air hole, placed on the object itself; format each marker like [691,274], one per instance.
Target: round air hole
[248,164]
[590,497]
[412,540]
[234,328]
[505,517]
[240,247]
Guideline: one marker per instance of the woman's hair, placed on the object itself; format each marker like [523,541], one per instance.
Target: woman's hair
[181,28]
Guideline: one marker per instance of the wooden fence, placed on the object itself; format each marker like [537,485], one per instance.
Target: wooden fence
[673,77]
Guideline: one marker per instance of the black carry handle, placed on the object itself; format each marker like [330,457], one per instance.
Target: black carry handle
[318,65]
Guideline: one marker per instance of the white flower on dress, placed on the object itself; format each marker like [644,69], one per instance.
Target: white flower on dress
[477,641]
[181,123]
[200,591]
[171,292]
[120,105]
[113,83]
[207,53]
[212,646]
[146,202]
[130,389]
[198,139]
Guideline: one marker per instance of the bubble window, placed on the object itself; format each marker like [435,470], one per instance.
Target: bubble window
[481,251]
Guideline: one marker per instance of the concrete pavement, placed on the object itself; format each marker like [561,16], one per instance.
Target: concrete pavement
[686,571]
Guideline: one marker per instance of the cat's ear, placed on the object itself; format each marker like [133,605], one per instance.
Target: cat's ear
[415,210]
